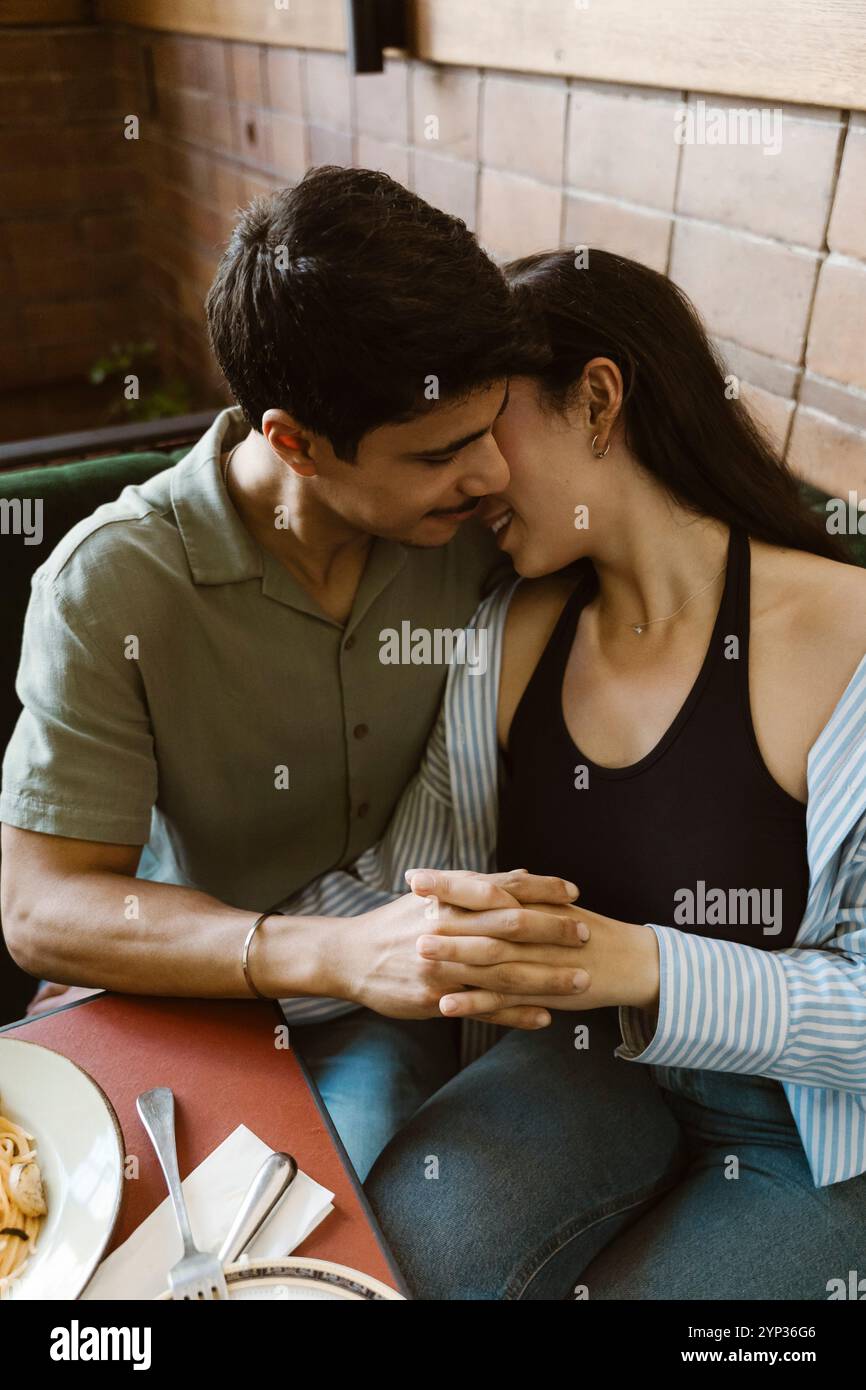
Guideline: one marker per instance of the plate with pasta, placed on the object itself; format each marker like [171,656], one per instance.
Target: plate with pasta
[61,1173]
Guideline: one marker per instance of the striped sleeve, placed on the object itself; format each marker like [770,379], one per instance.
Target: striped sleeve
[797,1015]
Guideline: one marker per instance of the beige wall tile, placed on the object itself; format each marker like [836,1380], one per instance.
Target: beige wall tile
[199,64]
[847,405]
[288,146]
[382,103]
[837,336]
[785,195]
[451,95]
[779,378]
[212,59]
[223,181]
[622,145]
[379,154]
[448,184]
[773,413]
[328,91]
[329,146]
[285,90]
[847,231]
[518,215]
[254,185]
[523,126]
[828,454]
[640,233]
[252,127]
[752,291]
[245,66]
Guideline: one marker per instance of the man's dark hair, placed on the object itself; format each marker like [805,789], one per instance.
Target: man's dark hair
[378,292]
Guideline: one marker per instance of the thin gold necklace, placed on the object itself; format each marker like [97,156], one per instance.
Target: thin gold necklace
[648,622]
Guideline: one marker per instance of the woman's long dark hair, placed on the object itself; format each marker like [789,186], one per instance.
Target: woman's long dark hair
[703,447]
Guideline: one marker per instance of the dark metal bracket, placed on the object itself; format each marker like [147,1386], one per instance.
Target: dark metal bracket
[371,26]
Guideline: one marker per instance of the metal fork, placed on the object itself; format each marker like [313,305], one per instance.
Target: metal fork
[196,1275]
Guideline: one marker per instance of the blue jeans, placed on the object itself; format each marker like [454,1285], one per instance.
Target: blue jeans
[546,1172]
[374,1072]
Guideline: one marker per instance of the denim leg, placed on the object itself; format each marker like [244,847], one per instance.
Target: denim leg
[373,1073]
[510,1179]
[746,1221]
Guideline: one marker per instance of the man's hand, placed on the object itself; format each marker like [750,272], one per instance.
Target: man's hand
[377,962]
[618,960]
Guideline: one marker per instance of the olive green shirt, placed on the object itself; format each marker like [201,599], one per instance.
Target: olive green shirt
[183,692]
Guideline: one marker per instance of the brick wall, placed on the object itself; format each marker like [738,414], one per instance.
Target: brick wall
[71,205]
[772,248]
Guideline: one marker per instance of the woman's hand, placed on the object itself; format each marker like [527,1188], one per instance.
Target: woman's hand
[617,963]
[375,961]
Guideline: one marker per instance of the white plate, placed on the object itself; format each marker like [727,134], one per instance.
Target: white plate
[79,1149]
[302,1278]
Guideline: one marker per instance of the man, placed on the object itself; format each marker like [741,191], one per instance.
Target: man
[209,721]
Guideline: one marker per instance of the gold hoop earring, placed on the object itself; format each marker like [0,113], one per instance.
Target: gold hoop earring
[599,453]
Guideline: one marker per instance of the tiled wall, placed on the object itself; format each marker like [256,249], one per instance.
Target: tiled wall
[772,248]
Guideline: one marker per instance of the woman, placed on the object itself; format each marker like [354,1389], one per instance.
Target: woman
[679,727]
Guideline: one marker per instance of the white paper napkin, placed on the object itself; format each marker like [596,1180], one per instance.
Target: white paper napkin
[214,1191]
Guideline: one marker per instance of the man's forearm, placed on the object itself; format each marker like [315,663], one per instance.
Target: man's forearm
[112,931]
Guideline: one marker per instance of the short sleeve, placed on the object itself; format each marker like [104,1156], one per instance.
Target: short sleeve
[80,762]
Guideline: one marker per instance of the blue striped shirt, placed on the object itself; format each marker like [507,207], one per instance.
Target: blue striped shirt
[797,1015]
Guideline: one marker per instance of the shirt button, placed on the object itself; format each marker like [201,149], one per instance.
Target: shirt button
[360,730]
[348,644]
[363,809]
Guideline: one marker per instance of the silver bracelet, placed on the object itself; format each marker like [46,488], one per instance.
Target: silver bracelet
[245,959]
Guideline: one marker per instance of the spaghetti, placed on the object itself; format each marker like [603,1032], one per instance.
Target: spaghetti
[22,1201]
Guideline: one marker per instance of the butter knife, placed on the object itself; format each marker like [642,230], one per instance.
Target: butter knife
[270,1183]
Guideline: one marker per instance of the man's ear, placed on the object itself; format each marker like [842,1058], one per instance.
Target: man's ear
[289,441]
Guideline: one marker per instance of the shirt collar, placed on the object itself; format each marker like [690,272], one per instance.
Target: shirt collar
[218,546]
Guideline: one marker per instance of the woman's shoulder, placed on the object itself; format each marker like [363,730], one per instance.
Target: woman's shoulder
[813,610]
[823,599]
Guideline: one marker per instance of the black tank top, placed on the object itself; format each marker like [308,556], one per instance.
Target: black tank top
[696,834]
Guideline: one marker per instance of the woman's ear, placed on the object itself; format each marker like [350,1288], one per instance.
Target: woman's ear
[602,391]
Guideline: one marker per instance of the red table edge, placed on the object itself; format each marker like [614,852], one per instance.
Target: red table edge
[343,1156]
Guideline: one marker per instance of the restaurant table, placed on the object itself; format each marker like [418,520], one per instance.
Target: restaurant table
[220,1060]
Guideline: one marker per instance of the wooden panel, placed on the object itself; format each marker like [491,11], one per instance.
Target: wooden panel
[302,24]
[797,50]
[811,51]
[47,12]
